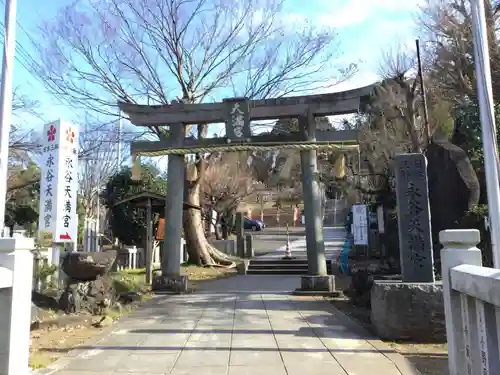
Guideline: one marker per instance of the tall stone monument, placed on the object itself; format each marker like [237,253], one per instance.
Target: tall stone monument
[414,220]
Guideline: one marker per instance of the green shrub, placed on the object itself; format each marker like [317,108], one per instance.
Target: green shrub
[45,270]
[124,282]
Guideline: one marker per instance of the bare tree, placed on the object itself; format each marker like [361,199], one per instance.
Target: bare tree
[156,51]
[392,124]
[23,143]
[399,98]
[446,25]
[100,161]
[227,181]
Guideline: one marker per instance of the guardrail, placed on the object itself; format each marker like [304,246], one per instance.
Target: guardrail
[472,305]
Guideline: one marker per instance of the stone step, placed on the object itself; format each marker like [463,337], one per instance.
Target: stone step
[281,267]
[276,265]
[278,261]
[278,271]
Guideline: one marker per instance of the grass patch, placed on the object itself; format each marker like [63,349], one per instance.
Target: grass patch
[133,280]
[66,335]
[64,338]
[195,273]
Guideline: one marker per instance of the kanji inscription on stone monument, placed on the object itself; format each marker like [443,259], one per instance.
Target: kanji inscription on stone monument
[414,221]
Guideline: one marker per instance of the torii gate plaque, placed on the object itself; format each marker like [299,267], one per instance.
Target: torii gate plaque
[237,114]
[238,119]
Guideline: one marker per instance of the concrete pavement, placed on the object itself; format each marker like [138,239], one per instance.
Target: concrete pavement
[245,325]
[272,238]
[334,238]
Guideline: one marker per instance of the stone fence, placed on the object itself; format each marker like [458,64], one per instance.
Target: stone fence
[16,267]
[131,257]
[472,305]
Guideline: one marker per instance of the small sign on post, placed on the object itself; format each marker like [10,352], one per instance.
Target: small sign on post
[58,185]
[360,224]
[238,119]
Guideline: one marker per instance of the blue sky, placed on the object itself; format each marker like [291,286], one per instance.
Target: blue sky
[365,28]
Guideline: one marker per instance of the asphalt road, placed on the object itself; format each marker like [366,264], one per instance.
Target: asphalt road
[271,239]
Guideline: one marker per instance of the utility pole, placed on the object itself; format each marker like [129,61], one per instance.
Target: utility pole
[424,97]
[119,149]
[487,117]
[6,102]
[98,204]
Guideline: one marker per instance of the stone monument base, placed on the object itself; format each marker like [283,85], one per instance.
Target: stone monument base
[408,311]
[170,284]
[317,286]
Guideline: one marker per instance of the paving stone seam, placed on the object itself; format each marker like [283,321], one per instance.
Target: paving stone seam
[403,366]
[185,342]
[274,334]
[235,302]
[291,301]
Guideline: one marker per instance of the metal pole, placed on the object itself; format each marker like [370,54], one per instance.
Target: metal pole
[6,101]
[488,127]
[149,241]
[97,223]
[119,150]
[424,98]
[335,211]
[261,207]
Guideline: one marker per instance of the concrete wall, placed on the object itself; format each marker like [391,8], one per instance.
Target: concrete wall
[228,247]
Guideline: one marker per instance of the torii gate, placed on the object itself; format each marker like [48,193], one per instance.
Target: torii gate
[237,113]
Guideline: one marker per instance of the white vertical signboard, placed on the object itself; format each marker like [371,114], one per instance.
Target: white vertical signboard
[360,224]
[59,183]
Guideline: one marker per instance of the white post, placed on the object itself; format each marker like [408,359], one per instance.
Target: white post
[261,207]
[98,224]
[131,259]
[459,247]
[213,220]
[335,211]
[6,100]
[487,116]
[15,305]
[92,235]
[55,259]
[182,255]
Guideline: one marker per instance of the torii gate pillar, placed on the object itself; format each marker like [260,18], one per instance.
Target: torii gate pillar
[171,279]
[317,280]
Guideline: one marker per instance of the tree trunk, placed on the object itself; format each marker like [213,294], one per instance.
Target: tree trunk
[200,251]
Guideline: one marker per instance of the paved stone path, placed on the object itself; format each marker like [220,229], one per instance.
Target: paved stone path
[270,239]
[245,325]
[334,242]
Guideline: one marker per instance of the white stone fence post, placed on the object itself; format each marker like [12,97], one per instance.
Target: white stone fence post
[16,276]
[471,296]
